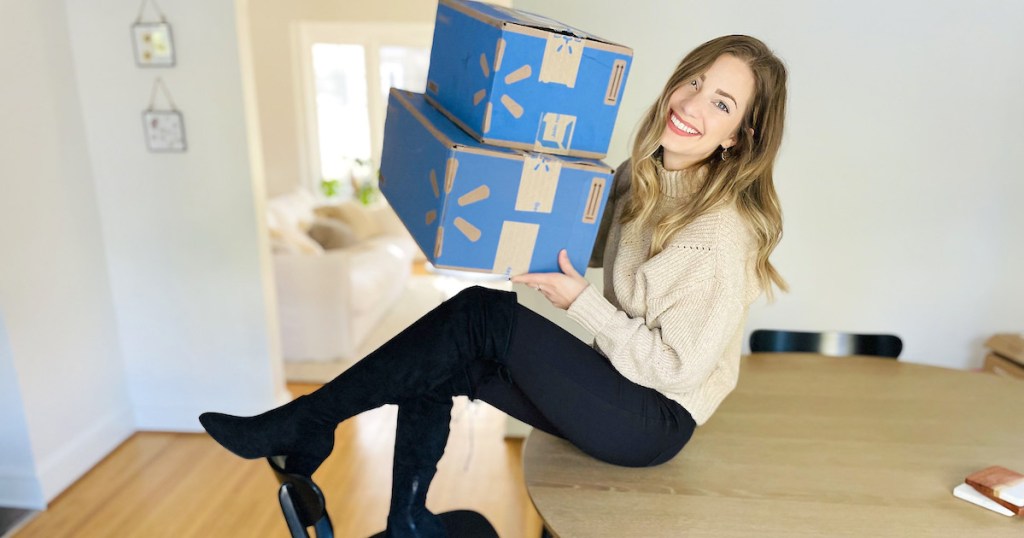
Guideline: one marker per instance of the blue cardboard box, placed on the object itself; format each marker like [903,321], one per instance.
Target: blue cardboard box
[519,80]
[476,207]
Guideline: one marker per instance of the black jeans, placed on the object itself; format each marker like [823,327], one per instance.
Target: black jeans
[551,380]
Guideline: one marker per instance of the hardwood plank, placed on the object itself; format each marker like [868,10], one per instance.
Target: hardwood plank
[172,484]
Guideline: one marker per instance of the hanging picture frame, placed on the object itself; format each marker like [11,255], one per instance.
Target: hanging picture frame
[164,129]
[152,41]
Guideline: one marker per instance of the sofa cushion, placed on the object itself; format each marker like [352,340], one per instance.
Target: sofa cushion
[292,210]
[354,215]
[378,266]
[332,234]
[290,241]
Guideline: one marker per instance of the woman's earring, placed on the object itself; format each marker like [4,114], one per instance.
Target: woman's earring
[725,153]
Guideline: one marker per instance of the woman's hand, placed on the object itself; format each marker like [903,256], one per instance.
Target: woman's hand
[559,288]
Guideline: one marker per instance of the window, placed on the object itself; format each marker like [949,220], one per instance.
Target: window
[342,115]
[348,70]
[404,68]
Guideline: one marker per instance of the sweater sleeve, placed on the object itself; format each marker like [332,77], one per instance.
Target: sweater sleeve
[678,349]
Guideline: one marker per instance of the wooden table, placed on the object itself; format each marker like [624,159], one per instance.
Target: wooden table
[805,446]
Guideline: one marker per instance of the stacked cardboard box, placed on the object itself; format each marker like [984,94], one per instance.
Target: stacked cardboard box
[495,168]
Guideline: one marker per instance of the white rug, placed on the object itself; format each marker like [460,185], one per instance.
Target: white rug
[422,294]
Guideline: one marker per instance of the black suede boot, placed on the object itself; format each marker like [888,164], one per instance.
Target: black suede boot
[292,430]
[423,427]
[476,323]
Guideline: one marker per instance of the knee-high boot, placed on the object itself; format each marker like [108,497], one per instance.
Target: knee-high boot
[477,323]
[423,427]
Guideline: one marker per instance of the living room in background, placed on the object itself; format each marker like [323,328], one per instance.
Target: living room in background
[345,73]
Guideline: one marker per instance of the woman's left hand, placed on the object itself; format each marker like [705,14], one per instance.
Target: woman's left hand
[559,288]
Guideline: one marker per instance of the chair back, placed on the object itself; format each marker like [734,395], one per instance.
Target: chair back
[302,502]
[303,505]
[826,343]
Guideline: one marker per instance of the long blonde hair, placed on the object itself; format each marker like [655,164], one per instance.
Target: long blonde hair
[744,176]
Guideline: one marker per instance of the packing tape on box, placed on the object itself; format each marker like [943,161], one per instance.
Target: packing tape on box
[538,183]
[515,247]
[561,63]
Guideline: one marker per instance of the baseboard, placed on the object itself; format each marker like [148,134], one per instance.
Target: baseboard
[20,488]
[63,467]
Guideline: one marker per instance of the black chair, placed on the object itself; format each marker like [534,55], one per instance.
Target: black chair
[302,502]
[303,505]
[826,343]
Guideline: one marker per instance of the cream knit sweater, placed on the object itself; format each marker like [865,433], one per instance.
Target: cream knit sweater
[674,322]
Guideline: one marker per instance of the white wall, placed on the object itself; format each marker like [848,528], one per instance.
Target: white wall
[900,175]
[182,231]
[60,360]
[19,483]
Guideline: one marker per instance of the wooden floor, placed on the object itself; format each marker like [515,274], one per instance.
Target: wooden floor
[182,485]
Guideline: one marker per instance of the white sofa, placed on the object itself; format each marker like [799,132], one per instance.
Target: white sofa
[338,269]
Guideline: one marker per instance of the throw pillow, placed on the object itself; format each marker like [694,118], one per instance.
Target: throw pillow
[352,214]
[289,241]
[332,234]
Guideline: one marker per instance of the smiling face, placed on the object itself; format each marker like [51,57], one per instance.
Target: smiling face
[705,112]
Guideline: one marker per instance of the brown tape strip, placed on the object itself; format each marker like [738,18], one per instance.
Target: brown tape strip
[499,54]
[522,73]
[512,106]
[433,183]
[471,232]
[431,216]
[594,200]
[538,184]
[560,66]
[480,193]
[483,65]
[438,242]
[487,116]
[479,96]
[515,247]
[449,174]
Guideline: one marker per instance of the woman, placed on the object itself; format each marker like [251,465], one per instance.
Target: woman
[685,241]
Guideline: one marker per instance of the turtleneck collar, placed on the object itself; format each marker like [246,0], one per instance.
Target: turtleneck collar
[679,183]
